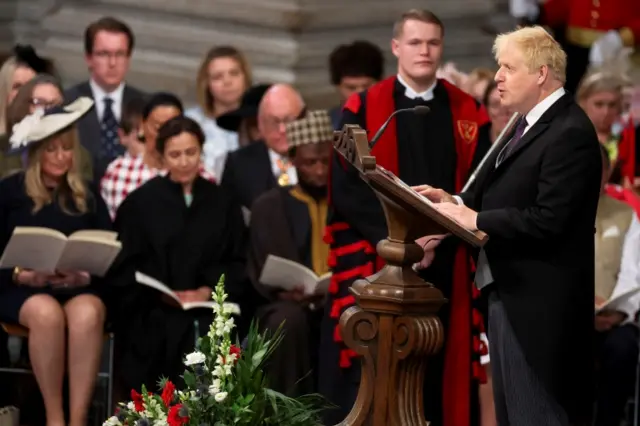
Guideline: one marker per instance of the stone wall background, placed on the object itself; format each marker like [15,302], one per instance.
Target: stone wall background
[285,40]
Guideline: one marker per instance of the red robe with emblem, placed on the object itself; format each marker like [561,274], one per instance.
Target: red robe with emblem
[356,224]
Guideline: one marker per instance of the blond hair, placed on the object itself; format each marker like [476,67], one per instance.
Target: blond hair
[6,80]
[601,81]
[71,190]
[205,98]
[539,49]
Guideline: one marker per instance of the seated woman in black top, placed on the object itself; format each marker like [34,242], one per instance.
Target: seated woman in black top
[184,231]
[63,312]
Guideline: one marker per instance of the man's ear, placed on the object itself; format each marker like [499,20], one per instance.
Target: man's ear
[395,47]
[543,74]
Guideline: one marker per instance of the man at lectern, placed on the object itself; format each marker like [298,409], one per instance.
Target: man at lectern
[440,148]
[536,198]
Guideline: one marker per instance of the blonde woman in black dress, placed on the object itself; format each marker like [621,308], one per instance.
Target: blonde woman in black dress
[64,312]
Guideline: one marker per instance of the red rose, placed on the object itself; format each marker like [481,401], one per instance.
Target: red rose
[174,418]
[167,393]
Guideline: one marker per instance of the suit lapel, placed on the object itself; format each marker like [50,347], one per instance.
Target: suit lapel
[261,178]
[537,129]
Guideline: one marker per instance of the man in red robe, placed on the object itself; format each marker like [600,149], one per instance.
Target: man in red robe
[441,148]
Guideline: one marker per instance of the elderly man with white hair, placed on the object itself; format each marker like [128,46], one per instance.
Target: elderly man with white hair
[536,198]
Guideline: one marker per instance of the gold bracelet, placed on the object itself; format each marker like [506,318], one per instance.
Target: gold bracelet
[16,274]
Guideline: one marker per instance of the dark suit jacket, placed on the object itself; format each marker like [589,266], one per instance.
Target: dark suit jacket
[538,208]
[248,174]
[89,125]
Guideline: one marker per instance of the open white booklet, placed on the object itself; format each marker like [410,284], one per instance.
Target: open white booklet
[614,303]
[287,275]
[153,283]
[47,250]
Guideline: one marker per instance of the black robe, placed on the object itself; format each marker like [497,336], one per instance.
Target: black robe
[281,225]
[428,151]
[185,247]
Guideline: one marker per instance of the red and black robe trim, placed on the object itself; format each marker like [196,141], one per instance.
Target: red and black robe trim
[463,347]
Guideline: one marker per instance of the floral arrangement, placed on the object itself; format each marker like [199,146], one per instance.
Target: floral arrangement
[224,385]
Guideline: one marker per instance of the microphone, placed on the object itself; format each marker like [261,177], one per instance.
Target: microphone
[419,110]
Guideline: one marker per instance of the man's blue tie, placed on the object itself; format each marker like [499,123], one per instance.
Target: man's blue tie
[109,141]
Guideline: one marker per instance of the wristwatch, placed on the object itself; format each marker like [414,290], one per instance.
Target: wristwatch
[16,273]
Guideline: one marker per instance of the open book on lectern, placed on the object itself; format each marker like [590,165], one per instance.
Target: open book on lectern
[352,144]
[425,206]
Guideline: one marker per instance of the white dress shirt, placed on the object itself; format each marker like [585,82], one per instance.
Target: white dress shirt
[629,275]
[99,95]
[427,95]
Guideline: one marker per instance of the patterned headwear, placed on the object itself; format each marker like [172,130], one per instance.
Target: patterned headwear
[315,127]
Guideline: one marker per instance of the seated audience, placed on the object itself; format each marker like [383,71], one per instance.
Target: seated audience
[256,168]
[223,77]
[43,91]
[127,173]
[353,68]
[64,312]
[617,254]
[288,222]
[244,119]
[183,230]
[108,47]
[600,95]
[477,82]
[21,66]
[498,115]
[130,129]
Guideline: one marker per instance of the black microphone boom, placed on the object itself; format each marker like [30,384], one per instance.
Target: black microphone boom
[419,110]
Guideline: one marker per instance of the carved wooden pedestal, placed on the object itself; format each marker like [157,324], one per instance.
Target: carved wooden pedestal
[394,328]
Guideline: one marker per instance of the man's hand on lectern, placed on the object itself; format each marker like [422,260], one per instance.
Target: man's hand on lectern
[435,195]
[460,213]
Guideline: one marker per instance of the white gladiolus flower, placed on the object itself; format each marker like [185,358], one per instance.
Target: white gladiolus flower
[220,396]
[218,371]
[131,406]
[195,358]
[231,308]
[112,421]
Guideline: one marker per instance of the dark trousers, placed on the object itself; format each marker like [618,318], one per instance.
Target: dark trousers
[520,399]
[617,360]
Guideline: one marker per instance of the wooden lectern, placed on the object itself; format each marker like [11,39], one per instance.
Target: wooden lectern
[393,326]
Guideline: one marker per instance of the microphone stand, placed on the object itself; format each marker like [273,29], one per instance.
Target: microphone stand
[419,110]
[498,143]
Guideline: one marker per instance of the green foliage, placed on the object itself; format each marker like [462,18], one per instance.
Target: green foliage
[225,385]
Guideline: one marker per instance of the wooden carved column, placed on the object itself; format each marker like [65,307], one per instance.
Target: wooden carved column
[394,328]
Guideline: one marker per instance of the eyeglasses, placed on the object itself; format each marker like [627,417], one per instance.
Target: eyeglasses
[278,122]
[45,103]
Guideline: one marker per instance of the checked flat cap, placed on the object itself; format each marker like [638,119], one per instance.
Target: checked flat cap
[315,127]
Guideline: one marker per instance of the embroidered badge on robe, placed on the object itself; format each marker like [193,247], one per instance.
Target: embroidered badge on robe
[468,130]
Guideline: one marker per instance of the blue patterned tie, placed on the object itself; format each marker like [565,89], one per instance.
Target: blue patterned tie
[109,141]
